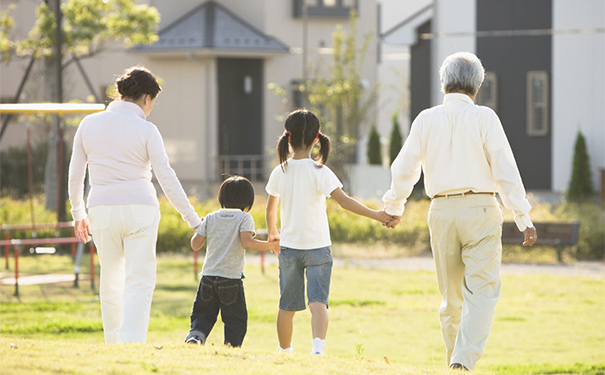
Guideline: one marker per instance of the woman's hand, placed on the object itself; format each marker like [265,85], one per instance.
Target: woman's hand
[82,230]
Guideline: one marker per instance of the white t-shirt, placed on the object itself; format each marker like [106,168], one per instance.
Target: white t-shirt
[302,188]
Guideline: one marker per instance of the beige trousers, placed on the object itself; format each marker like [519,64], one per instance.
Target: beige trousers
[466,241]
[125,237]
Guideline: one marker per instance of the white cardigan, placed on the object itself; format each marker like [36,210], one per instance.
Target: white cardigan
[120,147]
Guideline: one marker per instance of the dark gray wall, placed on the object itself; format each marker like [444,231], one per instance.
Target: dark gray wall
[420,72]
[511,58]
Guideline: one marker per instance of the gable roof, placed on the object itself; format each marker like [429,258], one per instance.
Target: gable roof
[215,29]
[405,31]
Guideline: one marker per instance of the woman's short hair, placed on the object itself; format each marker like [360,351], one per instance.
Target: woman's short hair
[236,192]
[461,72]
[137,81]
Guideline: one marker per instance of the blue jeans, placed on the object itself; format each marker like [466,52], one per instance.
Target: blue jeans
[216,293]
[317,263]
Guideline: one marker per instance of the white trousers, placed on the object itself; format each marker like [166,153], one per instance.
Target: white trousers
[125,237]
[466,242]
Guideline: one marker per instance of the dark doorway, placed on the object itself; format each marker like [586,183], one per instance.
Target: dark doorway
[240,104]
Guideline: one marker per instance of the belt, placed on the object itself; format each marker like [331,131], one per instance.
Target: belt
[463,194]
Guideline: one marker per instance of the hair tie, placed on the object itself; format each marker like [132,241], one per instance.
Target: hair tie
[318,134]
[287,133]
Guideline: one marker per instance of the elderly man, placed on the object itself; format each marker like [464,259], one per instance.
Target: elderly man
[466,159]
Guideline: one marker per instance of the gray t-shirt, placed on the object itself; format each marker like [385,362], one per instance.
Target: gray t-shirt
[225,255]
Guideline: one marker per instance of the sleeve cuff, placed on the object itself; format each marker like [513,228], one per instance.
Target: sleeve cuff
[79,215]
[394,209]
[194,223]
[523,221]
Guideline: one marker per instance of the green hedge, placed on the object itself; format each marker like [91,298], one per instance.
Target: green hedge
[345,227]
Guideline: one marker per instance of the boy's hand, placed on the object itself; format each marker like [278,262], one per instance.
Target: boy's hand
[275,246]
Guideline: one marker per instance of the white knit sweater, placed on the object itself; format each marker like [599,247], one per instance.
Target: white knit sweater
[120,147]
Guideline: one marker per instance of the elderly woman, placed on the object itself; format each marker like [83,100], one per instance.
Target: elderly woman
[120,147]
[466,159]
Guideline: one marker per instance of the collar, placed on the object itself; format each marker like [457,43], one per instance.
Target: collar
[126,107]
[230,210]
[457,96]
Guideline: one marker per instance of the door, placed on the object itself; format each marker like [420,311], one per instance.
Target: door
[240,102]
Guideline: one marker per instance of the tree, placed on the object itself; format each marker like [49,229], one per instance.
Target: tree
[86,27]
[338,97]
[374,151]
[396,141]
[580,186]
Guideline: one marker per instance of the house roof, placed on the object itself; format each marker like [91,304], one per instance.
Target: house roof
[215,29]
[405,31]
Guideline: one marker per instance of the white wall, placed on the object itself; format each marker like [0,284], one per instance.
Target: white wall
[450,17]
[578,82]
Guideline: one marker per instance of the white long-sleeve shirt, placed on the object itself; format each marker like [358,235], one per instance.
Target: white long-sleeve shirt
[460,147]
[120,147]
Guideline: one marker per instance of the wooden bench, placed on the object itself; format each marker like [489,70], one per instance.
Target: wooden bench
[556,234]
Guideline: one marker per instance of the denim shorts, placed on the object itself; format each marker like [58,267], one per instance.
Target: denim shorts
[292,266]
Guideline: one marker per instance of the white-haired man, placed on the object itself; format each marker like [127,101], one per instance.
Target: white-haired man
[466,159]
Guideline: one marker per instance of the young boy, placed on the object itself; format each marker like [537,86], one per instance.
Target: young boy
[229,232]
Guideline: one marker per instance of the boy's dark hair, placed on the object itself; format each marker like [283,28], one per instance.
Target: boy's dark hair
[236,192]
[302,128]
[137,81]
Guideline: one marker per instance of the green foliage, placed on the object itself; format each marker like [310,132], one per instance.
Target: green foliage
[14,170]
[591,238]
[580,186]
[396,141]
[88,26]
[374,151]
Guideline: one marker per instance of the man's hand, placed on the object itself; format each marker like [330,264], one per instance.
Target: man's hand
[82,230]
[394,222]
[530,236]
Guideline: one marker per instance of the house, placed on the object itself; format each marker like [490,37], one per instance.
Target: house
[216,59]
[545,64]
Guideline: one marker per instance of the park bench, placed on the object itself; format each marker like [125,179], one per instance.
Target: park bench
[554,234]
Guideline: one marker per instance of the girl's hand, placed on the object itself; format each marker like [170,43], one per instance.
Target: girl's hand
[82,230]
[383,217]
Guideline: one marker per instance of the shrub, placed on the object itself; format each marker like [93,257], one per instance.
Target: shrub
[580,186]
[14,170]
[396,141]
[374,149]
[591,238]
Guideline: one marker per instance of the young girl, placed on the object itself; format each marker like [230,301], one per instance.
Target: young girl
[302,184]
[229,231]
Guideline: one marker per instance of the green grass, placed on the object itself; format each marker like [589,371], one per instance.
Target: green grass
[544,324]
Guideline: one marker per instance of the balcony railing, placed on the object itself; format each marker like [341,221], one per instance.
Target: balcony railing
[249,166]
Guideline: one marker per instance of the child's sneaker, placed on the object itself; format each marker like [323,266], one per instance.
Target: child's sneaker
[318,346]
[195,338]
[286,351]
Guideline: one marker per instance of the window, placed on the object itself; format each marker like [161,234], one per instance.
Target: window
[537,103]
[488,93]
[325,8]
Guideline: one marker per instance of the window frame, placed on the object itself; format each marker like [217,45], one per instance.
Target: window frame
[532,105]
[322,11]
[492,78]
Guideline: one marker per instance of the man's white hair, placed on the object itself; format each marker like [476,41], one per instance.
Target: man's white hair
[461,72]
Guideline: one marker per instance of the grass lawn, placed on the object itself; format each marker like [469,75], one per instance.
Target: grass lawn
[381,322]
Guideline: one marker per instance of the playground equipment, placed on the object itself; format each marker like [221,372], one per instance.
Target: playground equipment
[60,109]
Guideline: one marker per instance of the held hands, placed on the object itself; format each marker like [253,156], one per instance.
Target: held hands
[82,230]
[530,236]
[273,239]
[387,220]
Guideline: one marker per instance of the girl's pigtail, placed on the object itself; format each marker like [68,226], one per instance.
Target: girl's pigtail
[283,149]
[324,147]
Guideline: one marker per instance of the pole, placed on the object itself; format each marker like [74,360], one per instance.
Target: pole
[304,51]
[16,270]
[262,262]
[6,247]
[30,177]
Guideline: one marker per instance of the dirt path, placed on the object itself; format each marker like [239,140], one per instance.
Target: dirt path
[426,264]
